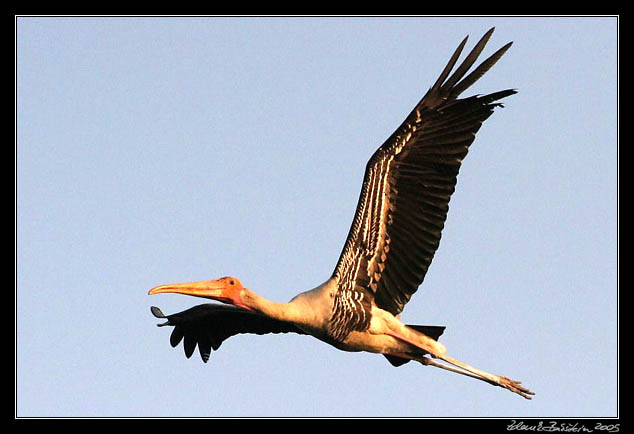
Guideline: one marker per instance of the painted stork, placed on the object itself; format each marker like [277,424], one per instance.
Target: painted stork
[395,232]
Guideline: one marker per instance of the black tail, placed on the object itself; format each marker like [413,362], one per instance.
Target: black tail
[433,332]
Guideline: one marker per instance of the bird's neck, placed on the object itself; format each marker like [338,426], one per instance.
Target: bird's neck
[280,311]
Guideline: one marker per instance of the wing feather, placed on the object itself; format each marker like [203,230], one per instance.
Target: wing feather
[408,184]
[208,325]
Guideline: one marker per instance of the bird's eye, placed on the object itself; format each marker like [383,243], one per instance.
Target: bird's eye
[232,282]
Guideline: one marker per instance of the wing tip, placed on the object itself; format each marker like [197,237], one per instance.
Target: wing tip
[448,87]
[158,313]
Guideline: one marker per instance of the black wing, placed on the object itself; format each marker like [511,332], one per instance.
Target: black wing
[208,325]
[406,189]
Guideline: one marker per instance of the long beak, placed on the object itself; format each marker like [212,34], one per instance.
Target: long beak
[205,288]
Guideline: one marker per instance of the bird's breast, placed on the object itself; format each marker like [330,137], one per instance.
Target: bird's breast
[315,307]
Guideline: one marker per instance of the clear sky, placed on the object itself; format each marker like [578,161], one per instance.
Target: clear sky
[158,150]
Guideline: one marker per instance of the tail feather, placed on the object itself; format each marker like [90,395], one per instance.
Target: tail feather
[433,332]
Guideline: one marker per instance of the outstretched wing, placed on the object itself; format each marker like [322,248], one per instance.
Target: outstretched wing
[208,325]
[406,189]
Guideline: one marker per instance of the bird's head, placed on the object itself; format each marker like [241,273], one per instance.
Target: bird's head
[227,290]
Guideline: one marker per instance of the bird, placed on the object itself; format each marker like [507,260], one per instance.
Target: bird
[395,232]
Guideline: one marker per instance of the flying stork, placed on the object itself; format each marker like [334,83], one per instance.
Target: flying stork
[395,232]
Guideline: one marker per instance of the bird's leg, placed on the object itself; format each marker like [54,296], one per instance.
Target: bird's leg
[470,371]
[427,361]
[464,369]
[437,350]
[398,330]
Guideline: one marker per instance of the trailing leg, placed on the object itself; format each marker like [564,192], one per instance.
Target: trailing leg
[438,351]
[470,371]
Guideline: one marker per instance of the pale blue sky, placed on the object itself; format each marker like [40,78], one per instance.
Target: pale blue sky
[156,150]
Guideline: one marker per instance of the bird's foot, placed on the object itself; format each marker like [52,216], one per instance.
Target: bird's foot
[515,386]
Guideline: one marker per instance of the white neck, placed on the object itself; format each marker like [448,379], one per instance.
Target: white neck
[309,310]
[288,312]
